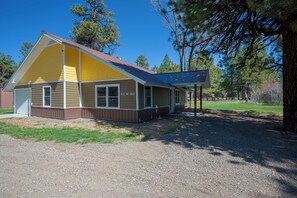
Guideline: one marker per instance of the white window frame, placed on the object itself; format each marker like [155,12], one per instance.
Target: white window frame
[43,102]
[177,96]
[107,97]
[147,107]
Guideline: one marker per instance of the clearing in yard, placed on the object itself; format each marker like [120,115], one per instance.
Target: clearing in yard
[242,106]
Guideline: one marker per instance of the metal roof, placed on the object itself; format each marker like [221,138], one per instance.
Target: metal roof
[188,79]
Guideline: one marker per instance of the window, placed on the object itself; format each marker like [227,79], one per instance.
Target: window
[177,97]
[147,96]
[47,96]
[107,96]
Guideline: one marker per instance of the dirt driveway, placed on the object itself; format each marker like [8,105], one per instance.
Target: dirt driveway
[214,156]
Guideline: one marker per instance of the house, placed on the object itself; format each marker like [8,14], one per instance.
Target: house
[62,79]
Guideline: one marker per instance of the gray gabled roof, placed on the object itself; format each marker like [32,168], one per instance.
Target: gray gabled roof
[189,78]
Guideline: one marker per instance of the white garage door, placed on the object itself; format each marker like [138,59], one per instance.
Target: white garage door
[22,101]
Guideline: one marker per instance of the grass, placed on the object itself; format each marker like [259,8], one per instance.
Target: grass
[6,111]
[67,134]
[251,107]
[169,130]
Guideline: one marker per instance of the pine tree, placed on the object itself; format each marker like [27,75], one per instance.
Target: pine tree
[142,61]
[95,27]
[25,50]
[7,67]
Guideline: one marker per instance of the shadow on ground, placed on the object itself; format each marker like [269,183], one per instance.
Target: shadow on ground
[258,141]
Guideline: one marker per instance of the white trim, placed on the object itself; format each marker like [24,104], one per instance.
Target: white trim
[64,76]
[147,107]
[53,38]
[79,79]
[108,80]
[107,97]
[43,105]
[47,82]
[136,95]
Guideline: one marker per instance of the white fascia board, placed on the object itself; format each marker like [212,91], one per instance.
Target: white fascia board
[53,38]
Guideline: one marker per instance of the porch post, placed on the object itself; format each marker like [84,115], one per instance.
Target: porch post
[200,99]
[190,98]
[195,99]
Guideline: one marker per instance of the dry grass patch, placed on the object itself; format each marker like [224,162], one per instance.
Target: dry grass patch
[147,129]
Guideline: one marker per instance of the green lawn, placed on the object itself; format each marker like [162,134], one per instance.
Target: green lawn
[251,107]
[6,111]
[70,135]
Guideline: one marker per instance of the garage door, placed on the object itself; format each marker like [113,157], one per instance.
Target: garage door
[22,101]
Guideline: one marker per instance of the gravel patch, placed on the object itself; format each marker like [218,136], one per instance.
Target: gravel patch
[213,156]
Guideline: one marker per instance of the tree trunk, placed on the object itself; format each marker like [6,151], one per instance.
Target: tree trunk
[290,79]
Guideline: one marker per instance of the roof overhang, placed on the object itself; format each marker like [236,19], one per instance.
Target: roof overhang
[205,84]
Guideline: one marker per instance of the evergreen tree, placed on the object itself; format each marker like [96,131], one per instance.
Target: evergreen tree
[168,66]
[25,50]
[7,67]
[142,61]
[95,27]
[203,61]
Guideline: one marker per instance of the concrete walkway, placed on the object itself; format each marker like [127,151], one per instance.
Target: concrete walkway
[3,116]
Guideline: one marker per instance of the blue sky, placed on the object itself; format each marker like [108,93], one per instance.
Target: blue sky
[142,31]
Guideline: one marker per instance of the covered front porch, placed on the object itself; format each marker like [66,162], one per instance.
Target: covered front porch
[193,82]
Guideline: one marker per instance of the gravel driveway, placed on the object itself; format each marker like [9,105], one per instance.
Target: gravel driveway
[215,156]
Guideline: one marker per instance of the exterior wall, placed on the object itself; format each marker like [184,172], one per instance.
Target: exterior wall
[123,115]
[62,114]
[72,94]
[127,93]
[57,96]
[47,67]
[149,114]
[95,70]
[71,64]
[6,99]
[160,97]
[110,114]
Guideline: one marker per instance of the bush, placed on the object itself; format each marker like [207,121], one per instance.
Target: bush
[269,92]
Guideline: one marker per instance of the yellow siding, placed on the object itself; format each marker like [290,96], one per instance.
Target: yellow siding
[71,58]
[47,67]
[95,70]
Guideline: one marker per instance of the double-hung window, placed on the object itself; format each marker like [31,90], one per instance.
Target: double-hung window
[107,96]
[147,97]
[46,96]
[177,97]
